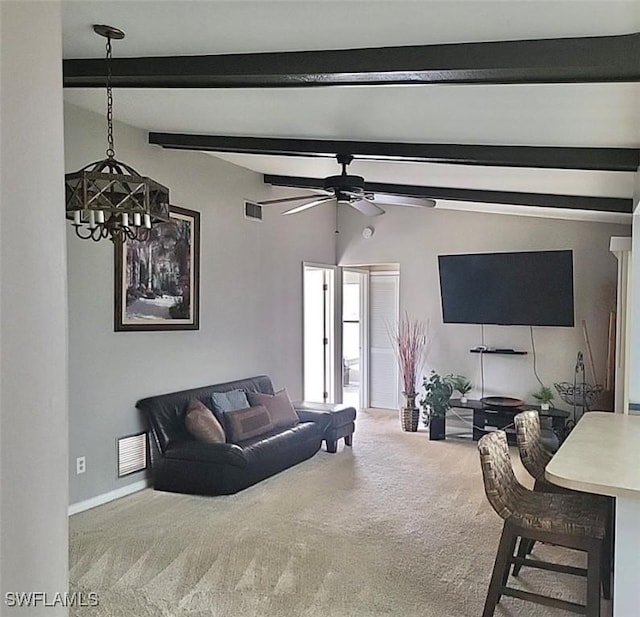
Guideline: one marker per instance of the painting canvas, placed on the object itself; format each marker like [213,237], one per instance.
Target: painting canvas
[157,280]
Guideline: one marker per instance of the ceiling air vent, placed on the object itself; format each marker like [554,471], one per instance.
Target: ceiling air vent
[252,211]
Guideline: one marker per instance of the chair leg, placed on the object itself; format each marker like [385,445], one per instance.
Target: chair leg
[605,566]
[332,445]
[594,564]
[500,567]
[523,551]
[348,440]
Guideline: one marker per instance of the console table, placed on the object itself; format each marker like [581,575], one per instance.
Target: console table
[484,416]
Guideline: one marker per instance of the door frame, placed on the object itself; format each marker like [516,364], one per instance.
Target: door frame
[364,331]
[334,320]
[381,273]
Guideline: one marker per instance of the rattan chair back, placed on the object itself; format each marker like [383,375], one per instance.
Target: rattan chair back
[533,454]
[504,492]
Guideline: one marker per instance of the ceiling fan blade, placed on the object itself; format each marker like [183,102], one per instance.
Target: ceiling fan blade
[311,204]
[404,200]
[283,200]
[366,207]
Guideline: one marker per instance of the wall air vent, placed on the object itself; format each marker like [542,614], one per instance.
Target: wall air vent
[252,211]
[132,454]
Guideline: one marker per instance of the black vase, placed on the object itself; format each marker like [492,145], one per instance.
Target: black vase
[437,428]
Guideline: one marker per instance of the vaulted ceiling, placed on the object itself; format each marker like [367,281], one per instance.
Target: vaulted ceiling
[424,118]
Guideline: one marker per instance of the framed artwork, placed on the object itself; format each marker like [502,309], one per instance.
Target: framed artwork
[157,281]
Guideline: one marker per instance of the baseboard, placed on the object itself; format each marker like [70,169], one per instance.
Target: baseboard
[81,506]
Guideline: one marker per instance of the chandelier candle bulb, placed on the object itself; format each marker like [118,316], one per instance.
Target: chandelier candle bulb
[76,217]
[100,217]
[147,221]
[136,219]
[125,219]
[92,219]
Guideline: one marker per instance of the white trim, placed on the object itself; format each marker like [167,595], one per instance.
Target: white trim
[99,500]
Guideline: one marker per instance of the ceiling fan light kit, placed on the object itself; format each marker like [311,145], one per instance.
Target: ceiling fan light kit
[349,190]
[108,198]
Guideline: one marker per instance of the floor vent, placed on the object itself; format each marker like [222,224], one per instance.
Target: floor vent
[132,454]
[252,211]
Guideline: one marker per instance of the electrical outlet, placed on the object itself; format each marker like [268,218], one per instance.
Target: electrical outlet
[81,464]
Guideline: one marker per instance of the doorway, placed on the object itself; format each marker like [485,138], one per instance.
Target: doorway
[384,309]
[354,337]
[319,332]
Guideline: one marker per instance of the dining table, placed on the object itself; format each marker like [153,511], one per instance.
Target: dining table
[601,455]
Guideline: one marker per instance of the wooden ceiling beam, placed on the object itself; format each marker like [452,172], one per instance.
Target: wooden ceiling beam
[563,60]
[601,159]
[545,200]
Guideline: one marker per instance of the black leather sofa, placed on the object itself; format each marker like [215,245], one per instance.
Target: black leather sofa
[180,464]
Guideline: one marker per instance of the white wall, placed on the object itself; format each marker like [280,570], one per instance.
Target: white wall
[33,344]
[413,238]
[251,298]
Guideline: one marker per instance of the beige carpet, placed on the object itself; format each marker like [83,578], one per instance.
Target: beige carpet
[398,526]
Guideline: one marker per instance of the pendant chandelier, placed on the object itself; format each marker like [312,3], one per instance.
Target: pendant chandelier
[108,198]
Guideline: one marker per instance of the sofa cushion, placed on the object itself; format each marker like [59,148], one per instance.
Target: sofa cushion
[243,424]
[279,443]
[202,424]
[282,413]
[196,451]
[228,401]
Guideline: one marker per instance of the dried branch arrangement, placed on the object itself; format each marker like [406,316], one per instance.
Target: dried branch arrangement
[409,338]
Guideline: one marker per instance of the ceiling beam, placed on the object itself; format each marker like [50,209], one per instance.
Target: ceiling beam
[545,200]
[562,60]
[601,159]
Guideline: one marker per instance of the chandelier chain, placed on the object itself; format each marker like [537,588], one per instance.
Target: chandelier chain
[110,148]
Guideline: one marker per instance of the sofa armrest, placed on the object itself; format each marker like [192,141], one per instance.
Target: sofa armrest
[313,415]
[220,453]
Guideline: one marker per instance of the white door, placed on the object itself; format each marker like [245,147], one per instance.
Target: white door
[319,343]
[384,296]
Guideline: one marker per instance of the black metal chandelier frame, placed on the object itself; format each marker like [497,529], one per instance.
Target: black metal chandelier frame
[108,198]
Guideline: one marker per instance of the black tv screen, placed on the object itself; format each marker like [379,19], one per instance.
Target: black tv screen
[533,288]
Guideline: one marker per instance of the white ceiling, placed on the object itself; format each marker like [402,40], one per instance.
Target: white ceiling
[606,115]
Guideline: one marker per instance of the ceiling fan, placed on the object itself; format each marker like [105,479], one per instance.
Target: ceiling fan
[349,190]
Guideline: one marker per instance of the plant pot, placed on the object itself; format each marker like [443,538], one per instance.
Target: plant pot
[463,399]
[437,428]
[409,418]
[545,406]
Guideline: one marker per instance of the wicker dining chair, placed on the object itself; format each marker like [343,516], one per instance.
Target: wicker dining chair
[570,520]
[534,456]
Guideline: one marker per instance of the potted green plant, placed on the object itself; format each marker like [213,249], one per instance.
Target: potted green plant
[435,403]
[461,384]
[544,396]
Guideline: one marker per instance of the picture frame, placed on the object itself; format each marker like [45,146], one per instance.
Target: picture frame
[157,281]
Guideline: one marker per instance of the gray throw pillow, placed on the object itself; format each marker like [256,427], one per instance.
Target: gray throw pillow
[229,401]
[202,424]
[282,413]
[243,424]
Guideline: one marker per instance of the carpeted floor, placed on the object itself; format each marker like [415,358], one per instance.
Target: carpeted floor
[398,526]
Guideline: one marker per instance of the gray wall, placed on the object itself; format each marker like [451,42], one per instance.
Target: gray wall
[251,298]
[33,343]
[413,238]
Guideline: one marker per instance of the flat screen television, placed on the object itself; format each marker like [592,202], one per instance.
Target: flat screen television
[532,288]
